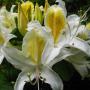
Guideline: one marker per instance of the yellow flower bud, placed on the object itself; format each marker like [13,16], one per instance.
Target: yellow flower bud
[25,14]
[38,14]
[56,21]
[88,26]
[46,6]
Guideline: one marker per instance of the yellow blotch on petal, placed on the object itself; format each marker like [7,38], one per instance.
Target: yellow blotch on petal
[88,26]
[25,14]
[9,23]
[34,46]
[56,21]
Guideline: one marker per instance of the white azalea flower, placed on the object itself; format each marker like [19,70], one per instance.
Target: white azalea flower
[7,24]
[7,19]
[64,32]
[36,48]
[69,33]
[4,38]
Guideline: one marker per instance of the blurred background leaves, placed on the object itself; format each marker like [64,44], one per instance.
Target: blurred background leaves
[8,75]
[73,6]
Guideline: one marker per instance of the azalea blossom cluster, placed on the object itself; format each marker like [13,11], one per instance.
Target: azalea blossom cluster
[49,36]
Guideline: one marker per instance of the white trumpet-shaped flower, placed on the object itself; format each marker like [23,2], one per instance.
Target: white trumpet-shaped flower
[36,48]
[4,38]
[7,19]
[66,32]
[7,24]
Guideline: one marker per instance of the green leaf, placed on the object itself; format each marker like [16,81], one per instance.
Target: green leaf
[4,84]
[8,75]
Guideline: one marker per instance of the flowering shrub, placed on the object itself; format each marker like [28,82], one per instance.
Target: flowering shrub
[46,36]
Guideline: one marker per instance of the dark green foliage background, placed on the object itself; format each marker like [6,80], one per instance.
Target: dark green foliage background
[8,73]
[73,6]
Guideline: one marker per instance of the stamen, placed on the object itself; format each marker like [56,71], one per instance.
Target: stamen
[84,15]
[32,83]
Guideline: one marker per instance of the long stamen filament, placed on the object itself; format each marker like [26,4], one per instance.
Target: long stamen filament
[37,76]
[85,13]
[38,84]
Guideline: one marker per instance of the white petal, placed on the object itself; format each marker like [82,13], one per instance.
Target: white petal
[52,78]
[37,30]
[47,51]
[21,80]
[80,44]
[7,37]
[81,29]
[79,62]
[34,24]
[62,5]
[78,58]
[1,18]
[55,51]
[82,69]
[1,57]
[16,58]
[63,54]
[12,8]
[73,20]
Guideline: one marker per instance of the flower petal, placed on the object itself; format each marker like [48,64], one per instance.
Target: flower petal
[12,8]
[35,41]
[82,32]
[81,45]
[63,54]
[82,70]
[1,57]
[55,20]
[73,22]
[34,24]
[38,14]
[16,58]
[25,14]
[56,50]
[62,5]
[8,19]
[52,78]
[79,61]
[47,50]
[53,54]
[21,80]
